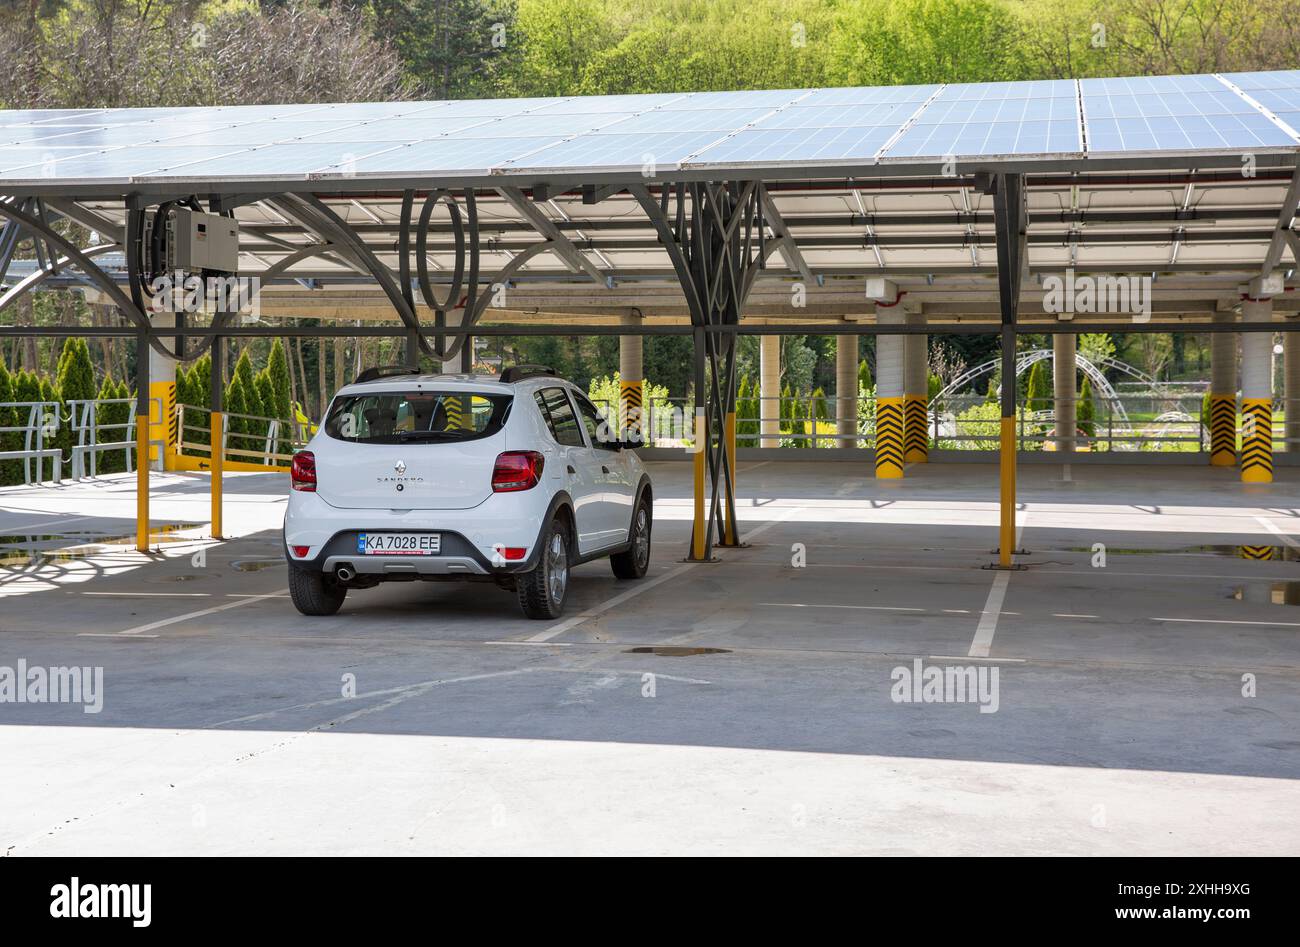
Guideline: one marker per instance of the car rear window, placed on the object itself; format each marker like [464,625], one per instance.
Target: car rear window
[393,417]
[557,411]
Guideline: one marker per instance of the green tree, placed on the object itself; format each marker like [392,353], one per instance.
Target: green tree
[1087,410]
[1038,390]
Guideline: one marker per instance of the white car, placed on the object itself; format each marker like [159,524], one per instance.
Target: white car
[512,480]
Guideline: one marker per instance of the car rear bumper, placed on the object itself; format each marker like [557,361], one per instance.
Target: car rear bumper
[472,541]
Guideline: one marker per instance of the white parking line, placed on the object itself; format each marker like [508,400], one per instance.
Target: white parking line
[562,627]
[140,629]
[1268,525]
[874,608]
[1224,621]
[983,640]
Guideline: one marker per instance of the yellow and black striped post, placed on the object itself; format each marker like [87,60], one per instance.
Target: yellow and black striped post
[916,412]
[891,391]
[1223,430]
[1257,440]
[890,426]
[1223,395]
[630,409]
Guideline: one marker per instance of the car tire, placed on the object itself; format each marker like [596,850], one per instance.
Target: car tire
[315,593]
[633,563]
[543,589]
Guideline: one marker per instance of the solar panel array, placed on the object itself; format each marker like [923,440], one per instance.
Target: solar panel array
[843,126]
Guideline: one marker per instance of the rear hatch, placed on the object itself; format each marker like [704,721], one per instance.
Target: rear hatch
[417,448]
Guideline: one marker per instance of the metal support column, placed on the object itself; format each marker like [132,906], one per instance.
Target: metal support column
[1007,191]
[1291,391]
[1223,395]
[769,390]
[216,433]
[846,390]
[700,446]
[1065,375]
[631,387]
[142,413]
[1257,395]
[916,404]
[891,390]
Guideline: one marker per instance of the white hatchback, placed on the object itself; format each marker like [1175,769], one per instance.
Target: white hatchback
[512,479]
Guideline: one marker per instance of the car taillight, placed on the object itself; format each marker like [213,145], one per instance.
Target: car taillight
[303,475]
[300,551]
[517,470]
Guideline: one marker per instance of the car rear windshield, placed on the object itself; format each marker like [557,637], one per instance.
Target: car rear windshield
[393,417]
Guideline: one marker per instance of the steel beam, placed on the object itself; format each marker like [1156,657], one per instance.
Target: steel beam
[562,246]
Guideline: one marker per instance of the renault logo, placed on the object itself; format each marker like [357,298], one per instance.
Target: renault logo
[400,467]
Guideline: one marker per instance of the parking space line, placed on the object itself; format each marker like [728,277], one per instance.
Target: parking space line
[873,608]
[1286,538]
[1225,621]
[568,623]
[562,627]
[983,640]
[162,623]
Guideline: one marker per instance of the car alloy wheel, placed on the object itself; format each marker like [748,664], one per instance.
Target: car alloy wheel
[557,567]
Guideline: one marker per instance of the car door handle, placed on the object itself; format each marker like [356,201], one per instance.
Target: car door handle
[571,470]
[604,469]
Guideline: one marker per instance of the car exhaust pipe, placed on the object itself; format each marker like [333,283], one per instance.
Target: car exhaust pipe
[345,573]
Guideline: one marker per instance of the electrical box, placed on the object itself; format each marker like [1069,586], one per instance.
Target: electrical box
[202,242]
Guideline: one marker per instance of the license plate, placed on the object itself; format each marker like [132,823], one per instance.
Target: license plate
[399,544]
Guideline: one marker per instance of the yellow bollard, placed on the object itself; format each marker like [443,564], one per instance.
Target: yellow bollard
[701,448]
[142,482]
[216,427]
[1007,500]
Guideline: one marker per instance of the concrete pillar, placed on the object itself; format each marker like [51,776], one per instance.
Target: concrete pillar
[631,389]
[890,394]
[916,381]
[769,390]
[1257,395]
[164,423]
[846,390]
[1065,395]
[1291,390]
[1223,395]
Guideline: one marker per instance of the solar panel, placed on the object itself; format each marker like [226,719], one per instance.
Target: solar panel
[851,126]
[998,118]
[1279,92]
[1183,113]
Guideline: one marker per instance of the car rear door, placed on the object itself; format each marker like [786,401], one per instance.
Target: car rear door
[612,468]
[576,459]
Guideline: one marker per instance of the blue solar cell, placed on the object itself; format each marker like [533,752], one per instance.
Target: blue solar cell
[610,150]
[999,118]
[1173,113]
[662,121]
[884,95]
[851,143]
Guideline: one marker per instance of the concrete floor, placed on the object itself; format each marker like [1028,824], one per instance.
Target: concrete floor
[1121,725]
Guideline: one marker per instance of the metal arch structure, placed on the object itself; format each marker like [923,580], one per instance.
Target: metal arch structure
[714,233]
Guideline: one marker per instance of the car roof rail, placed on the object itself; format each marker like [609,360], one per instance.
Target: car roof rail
[384,371]
[519,372]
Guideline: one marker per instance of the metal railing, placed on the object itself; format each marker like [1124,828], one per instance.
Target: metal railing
[1141,422]
[42,425]
[260,446]
[85,423]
